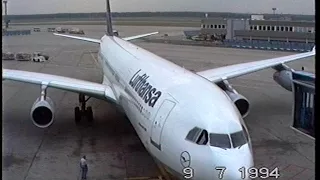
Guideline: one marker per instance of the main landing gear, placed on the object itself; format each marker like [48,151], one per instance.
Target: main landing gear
[81,111]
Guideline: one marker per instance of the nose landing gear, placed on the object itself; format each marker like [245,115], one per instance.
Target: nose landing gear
[81,111]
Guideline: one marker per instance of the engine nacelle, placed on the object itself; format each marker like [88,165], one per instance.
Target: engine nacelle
[42,112]
[284,79]
[240,101]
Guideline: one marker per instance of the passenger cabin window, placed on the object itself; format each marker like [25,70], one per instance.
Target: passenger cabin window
[219,26]
[268,28]
[215,26]
[272,28]
[263,28]
[291,29]
[211,26]
[238,139]
[223,26]
[220,140]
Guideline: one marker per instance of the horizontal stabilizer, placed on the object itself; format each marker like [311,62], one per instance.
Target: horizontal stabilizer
[139,36]
[79,38]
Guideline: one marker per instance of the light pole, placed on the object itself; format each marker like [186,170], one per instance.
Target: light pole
[274,11]
[5,6]
[5,12]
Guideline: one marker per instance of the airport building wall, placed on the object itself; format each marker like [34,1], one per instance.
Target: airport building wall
[278,30]
[213,26]
[262,34]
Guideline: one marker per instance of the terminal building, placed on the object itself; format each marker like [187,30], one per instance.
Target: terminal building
[276,34]
[260,29]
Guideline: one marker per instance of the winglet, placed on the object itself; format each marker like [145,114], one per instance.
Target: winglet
[314,49]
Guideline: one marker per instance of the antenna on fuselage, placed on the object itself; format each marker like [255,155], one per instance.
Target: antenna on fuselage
[109,31]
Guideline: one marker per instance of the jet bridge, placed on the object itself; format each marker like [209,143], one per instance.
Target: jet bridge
[303,84]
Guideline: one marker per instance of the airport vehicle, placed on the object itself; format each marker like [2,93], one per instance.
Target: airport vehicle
[8,56]
[197,38]
[51,29]
[115,33]
[39,57]
[21,56]
[36,29]
[61,30]
[191,123]
[76,31]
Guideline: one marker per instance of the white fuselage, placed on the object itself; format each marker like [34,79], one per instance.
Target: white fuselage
[164,102]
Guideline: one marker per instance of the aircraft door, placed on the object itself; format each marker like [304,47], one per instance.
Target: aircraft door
[159,121]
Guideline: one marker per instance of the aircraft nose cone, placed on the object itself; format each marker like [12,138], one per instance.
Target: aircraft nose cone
[236,164]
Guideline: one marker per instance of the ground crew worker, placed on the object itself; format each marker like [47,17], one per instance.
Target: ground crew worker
[84,167]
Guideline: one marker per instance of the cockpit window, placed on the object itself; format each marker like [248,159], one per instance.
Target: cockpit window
[193,134]
[198,136]
[238,139]
[203,138]
[220,140]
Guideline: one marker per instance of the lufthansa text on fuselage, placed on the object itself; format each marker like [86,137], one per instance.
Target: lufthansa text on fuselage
[144,89]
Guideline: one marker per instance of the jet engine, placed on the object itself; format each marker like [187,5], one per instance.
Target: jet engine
[42,112]
[284,79]
[239,101]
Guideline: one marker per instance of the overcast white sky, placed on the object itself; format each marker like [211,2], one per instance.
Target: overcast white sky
[242,6]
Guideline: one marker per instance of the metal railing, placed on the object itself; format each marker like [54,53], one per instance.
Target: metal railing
[269,45]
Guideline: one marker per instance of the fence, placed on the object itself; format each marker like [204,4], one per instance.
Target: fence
[15,32]
[269,45]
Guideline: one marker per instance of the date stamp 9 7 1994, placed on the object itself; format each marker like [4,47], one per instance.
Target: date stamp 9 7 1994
[251,173]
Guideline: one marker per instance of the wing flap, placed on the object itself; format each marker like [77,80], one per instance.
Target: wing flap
[97,90]
[232,71]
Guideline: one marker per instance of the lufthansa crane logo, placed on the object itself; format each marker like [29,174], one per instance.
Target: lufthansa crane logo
[185,159]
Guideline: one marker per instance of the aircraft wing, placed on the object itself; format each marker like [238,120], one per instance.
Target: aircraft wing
[92,89]
[139,36]
[99,41]
[232,71]
[79,38]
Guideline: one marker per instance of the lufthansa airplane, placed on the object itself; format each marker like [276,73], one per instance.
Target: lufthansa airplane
[191,123]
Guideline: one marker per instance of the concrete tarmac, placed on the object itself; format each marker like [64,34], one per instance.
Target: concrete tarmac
[111,145]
